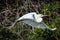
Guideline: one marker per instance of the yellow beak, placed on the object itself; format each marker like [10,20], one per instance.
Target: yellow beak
[45,15]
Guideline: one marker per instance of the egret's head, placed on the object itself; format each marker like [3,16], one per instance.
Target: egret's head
[40,15]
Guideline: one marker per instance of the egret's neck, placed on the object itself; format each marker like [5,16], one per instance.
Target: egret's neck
[40,15]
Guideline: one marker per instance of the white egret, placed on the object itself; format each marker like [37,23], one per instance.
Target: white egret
[34,20]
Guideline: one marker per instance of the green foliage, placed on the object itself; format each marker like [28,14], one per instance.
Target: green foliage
[22,31]
[6,34]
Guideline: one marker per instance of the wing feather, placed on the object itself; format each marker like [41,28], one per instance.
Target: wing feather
[34,23]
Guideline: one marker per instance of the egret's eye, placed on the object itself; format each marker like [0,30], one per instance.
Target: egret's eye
[33,16]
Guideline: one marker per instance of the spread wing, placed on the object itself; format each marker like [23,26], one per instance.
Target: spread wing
[34,24]
[37,25]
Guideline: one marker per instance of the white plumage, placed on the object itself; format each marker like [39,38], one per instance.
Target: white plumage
[32,16]
[34,20]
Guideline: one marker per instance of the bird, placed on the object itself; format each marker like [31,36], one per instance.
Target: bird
[34,20]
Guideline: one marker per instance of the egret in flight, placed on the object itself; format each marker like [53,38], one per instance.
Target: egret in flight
[34,20]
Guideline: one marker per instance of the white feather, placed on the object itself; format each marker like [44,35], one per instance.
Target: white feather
[34,20]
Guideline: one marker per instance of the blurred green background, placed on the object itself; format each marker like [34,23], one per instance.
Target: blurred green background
[11,10]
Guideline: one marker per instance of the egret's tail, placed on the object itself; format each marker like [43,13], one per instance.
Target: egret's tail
[49,28]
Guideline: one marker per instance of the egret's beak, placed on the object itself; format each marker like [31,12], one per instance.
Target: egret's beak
[45,15]
[40,15]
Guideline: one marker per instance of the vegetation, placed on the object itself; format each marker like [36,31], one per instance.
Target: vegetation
[10,10]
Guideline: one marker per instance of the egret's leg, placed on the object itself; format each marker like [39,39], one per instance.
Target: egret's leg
[32,29]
